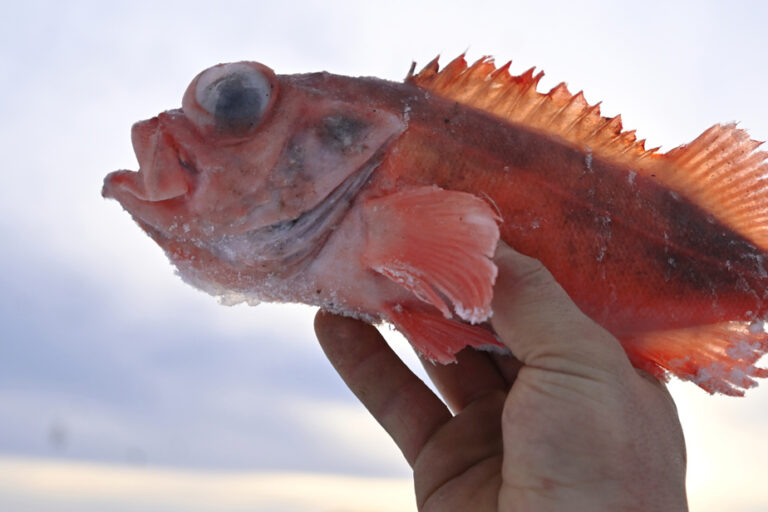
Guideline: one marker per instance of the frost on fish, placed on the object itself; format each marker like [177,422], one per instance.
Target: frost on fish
[719,178]
[719,358]
[385,201]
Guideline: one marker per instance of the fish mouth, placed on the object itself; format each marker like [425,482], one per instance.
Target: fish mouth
[151,215]
[282,247]
[162,174]
[158,190]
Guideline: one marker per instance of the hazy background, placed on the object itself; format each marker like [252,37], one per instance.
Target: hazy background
[123,389]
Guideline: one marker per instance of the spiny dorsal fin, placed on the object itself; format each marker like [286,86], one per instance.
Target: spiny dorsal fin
[721,170]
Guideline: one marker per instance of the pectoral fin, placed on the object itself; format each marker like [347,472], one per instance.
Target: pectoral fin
[438,244]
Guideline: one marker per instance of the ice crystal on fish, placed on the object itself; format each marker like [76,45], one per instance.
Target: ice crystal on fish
[742,348]
[758,326]
[373,200]
[473,315]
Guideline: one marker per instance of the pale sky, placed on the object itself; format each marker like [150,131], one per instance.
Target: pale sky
[110,366]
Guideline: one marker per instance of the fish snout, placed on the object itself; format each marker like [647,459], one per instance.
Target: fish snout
[161,174]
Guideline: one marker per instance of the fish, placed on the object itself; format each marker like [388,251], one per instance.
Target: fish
[385,201]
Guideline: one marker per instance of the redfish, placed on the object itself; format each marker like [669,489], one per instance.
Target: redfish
[385,201]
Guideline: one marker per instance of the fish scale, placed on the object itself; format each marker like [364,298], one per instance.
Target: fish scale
[665,250]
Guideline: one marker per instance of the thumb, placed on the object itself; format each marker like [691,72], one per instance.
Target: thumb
[541,325]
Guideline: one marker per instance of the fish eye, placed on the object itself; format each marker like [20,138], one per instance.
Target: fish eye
[230,97]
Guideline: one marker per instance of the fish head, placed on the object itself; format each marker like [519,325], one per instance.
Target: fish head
[249,155]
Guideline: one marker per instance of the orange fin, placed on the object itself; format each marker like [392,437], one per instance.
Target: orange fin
[437,338]
[721,170]
[438,244]
[515,99]
[718,358]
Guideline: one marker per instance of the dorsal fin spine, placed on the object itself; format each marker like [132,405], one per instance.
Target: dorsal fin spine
[503,70]
[467,74]
[489,82]
[590,112]
[560,111]
[640,145]
[627,137]
[531,83]
[577,102]
[601,133]
[536,106]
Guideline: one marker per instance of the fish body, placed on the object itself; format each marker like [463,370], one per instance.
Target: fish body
[385,201]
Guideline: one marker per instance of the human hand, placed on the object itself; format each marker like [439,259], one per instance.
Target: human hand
[566,424]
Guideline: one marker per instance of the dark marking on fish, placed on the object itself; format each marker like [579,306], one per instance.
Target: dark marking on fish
[342,133]
[188,167]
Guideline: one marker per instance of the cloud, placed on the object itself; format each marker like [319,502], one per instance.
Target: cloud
[82,377]
[105,355]
[726,448]
[30,485]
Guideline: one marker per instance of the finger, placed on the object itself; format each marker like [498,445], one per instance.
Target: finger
[508,366]
[473,377]
[541,325]
[400,402]
[463,459]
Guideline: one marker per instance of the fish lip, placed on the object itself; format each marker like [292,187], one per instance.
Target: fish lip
[114,182]
[147,213]
[106,188]
[120,186]
[163,172]
[141,191]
